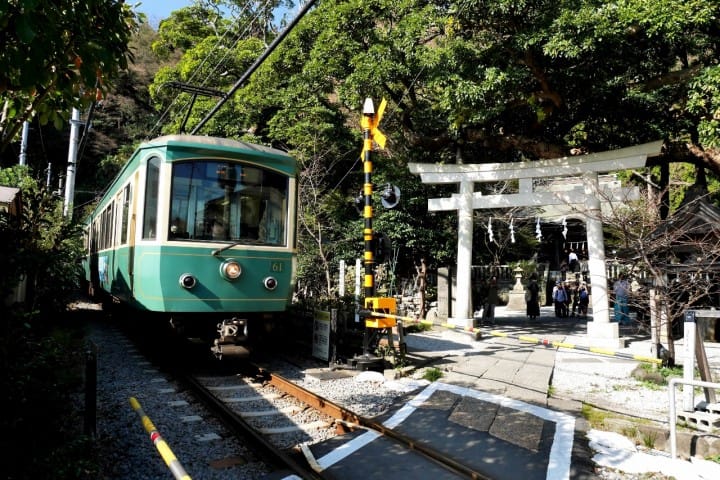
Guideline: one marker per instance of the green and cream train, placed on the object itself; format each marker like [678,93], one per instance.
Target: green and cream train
[200,231]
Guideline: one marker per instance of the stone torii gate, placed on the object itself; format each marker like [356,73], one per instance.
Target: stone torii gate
[587,202]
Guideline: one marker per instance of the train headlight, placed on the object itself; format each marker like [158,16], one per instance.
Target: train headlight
[230,269]
[187,281]
[270,283]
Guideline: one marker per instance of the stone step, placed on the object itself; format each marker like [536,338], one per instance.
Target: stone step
[707,422]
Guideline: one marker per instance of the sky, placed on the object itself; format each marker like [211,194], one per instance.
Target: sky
[157,10]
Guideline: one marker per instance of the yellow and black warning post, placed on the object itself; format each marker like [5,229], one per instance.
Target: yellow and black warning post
[162,447]
[376,305]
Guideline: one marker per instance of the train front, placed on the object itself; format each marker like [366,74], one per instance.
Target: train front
[227,262]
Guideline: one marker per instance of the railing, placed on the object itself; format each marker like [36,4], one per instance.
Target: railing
[673,415]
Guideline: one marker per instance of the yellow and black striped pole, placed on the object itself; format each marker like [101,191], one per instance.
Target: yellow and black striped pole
[596,350]
[371,133]
[368,123]
[162,447]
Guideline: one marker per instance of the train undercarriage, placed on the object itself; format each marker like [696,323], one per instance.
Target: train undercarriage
[228,337]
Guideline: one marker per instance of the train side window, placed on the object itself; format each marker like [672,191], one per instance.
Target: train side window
[150,213]
[126,198]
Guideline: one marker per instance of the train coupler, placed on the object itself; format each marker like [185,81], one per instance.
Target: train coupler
[232,331]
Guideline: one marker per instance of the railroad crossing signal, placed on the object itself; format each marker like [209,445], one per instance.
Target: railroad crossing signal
[373,242]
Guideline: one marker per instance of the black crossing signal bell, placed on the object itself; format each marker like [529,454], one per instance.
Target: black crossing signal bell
[382,246]
[390,196]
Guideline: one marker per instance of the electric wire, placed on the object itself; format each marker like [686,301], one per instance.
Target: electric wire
[198,68]
[227,38]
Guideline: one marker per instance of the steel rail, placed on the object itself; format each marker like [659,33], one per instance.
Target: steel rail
[336,411]
[239,427]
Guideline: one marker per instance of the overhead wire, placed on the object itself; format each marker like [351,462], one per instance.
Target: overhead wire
[198,68]
[235,37]
[192,76]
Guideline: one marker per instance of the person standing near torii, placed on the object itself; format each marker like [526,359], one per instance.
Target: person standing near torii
[588,202]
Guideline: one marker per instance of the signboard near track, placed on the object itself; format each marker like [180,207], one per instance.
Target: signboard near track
[321,335]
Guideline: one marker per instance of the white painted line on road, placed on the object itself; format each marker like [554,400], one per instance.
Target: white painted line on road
[347,449]
[560,452]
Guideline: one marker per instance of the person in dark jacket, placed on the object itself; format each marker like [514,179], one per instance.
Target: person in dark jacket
[533,297]
[584,300]
[491,300]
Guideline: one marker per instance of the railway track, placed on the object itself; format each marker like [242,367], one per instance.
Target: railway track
[239,405]
[284,419]
[298,433]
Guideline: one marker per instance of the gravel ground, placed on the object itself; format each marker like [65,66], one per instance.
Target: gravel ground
[609,382]
[126,450]
[200,443]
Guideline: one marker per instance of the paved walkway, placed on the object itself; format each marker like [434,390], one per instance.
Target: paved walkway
[503,365]
[491,410]
[499,363]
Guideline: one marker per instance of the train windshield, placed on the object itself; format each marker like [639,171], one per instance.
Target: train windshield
[226,201]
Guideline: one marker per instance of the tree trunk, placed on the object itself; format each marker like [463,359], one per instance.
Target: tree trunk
[422,285]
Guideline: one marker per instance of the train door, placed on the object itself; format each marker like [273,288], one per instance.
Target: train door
[132,227]
[116,280]
[122,247]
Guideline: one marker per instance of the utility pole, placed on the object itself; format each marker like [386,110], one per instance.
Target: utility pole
[23,143]
[72,161]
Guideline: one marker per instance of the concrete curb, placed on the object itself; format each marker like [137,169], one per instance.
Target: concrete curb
[689,444]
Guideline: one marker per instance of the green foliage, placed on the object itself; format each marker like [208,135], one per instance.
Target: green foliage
[40,360]
[472,81]
[665,372]
[418,327]
[593,415]
[57,55]
[654,378]
[326,303]
[185,28]
[42,375]
[704,103]
[649,439]
[16,176]
[432,374]
[485,80]
[45,247]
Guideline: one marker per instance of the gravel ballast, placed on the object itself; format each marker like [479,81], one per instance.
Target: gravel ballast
[200,443]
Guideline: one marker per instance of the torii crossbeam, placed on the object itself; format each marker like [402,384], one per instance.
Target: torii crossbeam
[600,329]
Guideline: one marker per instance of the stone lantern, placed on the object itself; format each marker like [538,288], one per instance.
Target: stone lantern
[516,296]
